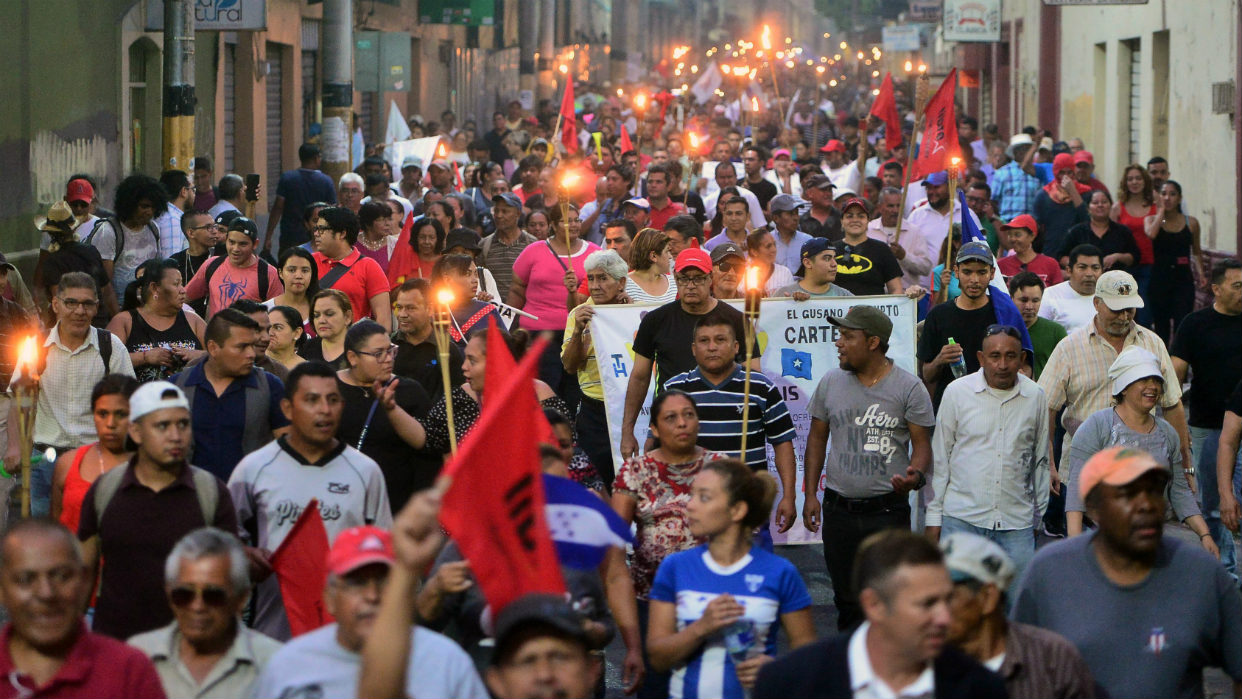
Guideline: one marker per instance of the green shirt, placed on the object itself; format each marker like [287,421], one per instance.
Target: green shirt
[1045,334]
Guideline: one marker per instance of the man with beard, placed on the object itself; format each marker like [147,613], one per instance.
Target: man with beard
[134,515]
[1147,611]
[933,216]
[272,485]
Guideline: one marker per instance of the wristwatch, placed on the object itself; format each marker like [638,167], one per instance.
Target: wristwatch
[922,479]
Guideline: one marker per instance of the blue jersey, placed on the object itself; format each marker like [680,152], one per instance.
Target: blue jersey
[762,582]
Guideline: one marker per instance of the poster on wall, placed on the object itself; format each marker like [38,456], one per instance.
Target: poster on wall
[972,20]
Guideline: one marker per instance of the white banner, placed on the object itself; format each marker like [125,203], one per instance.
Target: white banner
[972,20]
[798,349]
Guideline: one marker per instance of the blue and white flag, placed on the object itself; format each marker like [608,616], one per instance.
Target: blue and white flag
[1002,303]
[583,526]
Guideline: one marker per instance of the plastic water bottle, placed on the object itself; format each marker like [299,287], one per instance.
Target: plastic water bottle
[957,366]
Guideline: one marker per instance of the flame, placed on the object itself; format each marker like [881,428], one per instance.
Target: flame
[754,104]
[445,297]
[640,101]
[27,358]
[752,277]
[564,69]
[909,66]
[568,180]
[766,38]
[694,141]
[441,150]
[922,67]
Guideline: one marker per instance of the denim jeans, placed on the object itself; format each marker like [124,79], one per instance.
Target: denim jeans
[1018,543]
[1203,445]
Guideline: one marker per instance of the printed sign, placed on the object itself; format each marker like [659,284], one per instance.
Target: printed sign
[972,20]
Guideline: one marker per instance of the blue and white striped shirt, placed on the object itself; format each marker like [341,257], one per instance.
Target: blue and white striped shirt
[720,413]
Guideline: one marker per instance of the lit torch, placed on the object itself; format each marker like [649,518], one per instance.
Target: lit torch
[567,181]
[25,386]
[750,307]
[441,321]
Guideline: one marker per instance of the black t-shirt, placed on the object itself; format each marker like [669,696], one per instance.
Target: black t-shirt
[421,362]
[77,257]
[1211,343]
[830,229]
[763,191]
[189,264]
[406,469]
[864,269]
[965,327]
[1117,239]
[667,334]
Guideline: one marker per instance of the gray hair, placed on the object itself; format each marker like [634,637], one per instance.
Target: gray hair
[207,542]
[609,261]
[351,178]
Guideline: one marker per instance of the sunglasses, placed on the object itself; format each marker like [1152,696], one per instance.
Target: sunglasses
[1001,329]
[184,595]
[727,266]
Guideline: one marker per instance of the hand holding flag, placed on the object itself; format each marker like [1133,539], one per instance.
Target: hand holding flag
[1002,303]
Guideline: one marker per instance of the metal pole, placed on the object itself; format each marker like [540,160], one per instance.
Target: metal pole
[179,98]
[617,40]
[528,37]
[547,49]
[338,86]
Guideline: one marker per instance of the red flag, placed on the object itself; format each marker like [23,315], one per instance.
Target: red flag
[569,122]
[939,132]
[500,366]
[625,144]
[301,566]
[885,108]
[494,508]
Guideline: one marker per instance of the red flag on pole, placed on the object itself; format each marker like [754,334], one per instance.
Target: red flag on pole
[940,132]
[885,108]
[569,122]
[625,144]
[301,566]
[494,507]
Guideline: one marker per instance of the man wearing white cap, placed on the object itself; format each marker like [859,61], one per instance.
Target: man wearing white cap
[134,515]
[1147,611]
[1015,186]
[1076,375]
[1035,663]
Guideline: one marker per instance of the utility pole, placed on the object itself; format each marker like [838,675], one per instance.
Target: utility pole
[528,40]
[617,41]
[547,49]
[338,86]
[179,100]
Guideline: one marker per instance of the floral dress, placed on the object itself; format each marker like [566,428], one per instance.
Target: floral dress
[662,492]
[465,414]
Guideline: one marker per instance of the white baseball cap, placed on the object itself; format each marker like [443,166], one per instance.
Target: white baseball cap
[156,395]
[1133,364]
[1118,290]
[972,557]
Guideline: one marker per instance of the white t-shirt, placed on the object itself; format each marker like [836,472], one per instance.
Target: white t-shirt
[271,486]
[140,245]
[1067,307]
[220,207]
[80,231]
[315,665]
[845,177]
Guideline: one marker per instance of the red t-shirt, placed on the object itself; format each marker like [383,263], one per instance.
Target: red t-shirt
[659,217]
[1043,266]
[97,666]
[363,282]
[231,283]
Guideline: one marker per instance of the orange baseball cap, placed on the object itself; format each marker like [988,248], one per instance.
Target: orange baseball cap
[1116,466]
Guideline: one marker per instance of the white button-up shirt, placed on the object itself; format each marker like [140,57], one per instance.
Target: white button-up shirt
[935,226]
[63,417]
[990,452]
[917,265]
[234,674]
[867,685]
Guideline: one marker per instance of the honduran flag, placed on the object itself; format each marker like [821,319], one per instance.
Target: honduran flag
[1002,303]
[583,526]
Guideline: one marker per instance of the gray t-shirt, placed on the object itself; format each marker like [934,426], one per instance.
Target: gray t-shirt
[833,290]
[870,428]
[315,665]
[1152,639]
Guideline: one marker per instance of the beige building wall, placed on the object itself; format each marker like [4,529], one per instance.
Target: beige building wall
[1182,49]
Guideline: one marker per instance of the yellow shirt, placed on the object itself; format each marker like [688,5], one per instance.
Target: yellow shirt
[588,375]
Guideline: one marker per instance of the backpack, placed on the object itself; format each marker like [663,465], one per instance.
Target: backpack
[258,430]
[119,231]
[204,487]
[215,265]
[103,338]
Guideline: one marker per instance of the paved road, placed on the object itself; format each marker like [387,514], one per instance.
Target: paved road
[810,562]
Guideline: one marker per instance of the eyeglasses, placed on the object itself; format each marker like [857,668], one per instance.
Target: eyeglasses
[699,280]
[74,304]
[184,595]
[1001,329]
[208,227]
[379,355]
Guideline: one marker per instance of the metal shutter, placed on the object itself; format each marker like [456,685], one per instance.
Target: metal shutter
[230,105]
[1136,97]
[275,114]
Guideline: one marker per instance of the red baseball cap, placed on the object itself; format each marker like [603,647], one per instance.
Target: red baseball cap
[1026,221]
[79,190]
[693,257]
[1062,162]
[1084,156]
[855,201]
[360,546]
[831,145]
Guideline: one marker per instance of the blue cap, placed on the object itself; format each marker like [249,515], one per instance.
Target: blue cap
[936,178]
[974,251]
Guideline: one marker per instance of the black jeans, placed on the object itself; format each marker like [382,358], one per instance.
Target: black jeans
[591,429]
[844,532]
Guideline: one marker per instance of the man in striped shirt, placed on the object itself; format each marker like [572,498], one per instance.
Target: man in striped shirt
[718,385]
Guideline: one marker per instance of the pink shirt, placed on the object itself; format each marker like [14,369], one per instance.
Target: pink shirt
[231,283]
[544,277]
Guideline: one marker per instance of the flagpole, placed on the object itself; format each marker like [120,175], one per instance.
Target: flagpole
[921,89]
[751,312]
[440,326]
[943,293]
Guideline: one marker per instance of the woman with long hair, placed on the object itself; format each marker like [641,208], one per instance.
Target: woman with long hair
[418,258]
[77,469]
[332,314]
[161,336]
[1136,200]
[651,280]
[761,251]
[300,275]
[1112,238]
[285,336]
[1177,255]
[725,641]
[460,275]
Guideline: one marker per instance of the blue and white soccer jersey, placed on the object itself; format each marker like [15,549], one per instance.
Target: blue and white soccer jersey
[762,582]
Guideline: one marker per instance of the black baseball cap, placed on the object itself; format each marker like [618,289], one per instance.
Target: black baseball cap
[532,613]
[245,225]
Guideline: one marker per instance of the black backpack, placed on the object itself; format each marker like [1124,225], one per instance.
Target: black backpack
[118,231]
[262,273]
[104,339]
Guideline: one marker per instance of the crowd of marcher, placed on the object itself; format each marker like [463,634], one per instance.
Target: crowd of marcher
[204,381]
